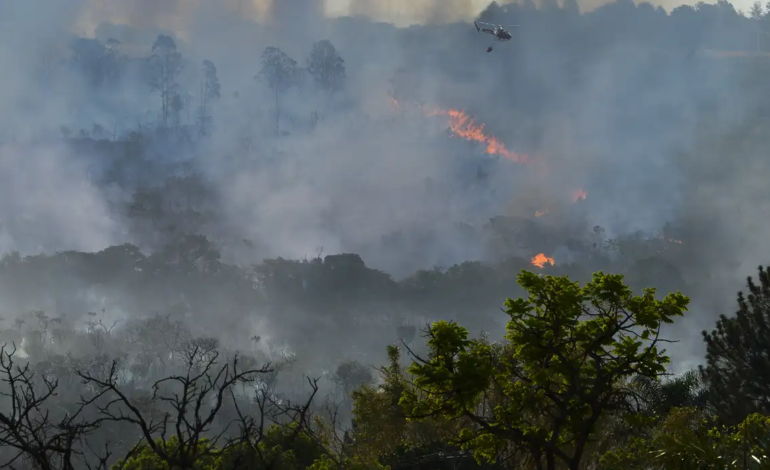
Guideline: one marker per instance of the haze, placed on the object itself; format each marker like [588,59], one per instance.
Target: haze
[398,12]
[620,139]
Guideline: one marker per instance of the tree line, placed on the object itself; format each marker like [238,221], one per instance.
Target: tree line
[103,65]
[578,378]
[581,37]
[165,371]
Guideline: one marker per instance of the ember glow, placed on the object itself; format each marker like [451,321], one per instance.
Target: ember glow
[579,194]
[540,260]
[464,126]
[672,240]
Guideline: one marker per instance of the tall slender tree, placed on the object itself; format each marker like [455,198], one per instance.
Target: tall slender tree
[326,67]
[166,63]
[279,72]
[756,15]
[737,370]
[210,92]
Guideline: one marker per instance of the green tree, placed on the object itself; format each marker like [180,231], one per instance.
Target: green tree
[659,397]
[568,352]
[737,370]
[145,458]
[381,431]
[654,400]
[687,439]
[348,463]
[280,448]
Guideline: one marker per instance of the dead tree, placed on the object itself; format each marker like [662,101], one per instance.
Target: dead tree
[32,432]
[183,406]
[252,448]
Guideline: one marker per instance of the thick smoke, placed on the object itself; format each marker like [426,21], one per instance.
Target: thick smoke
[48,203]
[653,131]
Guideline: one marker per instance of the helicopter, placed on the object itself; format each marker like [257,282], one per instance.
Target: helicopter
[500,33]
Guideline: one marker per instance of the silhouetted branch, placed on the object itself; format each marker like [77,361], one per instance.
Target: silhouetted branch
[273,411]
[26,424]
[190,404]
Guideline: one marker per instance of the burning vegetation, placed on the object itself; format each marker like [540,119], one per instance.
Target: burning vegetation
[465,127]
[540,260]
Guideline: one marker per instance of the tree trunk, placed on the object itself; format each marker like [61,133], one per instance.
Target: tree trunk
[204,99]
[550,461]
[163,96]
[277,109]
[577,455]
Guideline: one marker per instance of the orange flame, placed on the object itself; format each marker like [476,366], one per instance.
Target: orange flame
[540,260]
[541,213]
[464,126]
[579,194]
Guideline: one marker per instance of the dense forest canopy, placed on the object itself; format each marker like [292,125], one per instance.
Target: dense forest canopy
[286,243]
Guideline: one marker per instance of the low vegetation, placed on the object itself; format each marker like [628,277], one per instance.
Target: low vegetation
[578,380]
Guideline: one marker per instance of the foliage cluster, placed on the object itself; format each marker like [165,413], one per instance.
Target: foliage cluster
[578,381]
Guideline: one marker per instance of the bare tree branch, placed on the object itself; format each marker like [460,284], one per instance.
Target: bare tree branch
[27,427]
[187,405]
